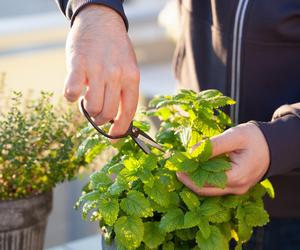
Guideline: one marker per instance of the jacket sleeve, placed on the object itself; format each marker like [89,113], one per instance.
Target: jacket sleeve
[71,8]
[283,137]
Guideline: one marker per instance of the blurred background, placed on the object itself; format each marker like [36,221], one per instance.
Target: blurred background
[32,38]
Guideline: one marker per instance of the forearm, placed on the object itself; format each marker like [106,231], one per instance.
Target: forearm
[283,137]
[71,8]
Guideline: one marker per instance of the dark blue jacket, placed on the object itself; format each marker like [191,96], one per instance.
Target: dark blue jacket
[250,50]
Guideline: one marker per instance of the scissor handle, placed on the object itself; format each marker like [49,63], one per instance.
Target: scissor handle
[88,117]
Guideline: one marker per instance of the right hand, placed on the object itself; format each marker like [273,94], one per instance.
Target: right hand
[100,55]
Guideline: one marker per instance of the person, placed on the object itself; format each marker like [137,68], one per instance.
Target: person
[249,50]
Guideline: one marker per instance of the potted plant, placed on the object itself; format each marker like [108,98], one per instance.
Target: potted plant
[140,204]
[37,146]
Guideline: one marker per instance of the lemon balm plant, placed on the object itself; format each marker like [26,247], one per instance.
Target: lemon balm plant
[37,145]
[140,204]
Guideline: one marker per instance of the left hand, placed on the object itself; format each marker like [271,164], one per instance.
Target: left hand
[249,155]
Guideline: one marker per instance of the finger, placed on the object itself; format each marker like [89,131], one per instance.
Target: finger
[110,105]
[227,142]
[74,84]
[204,191]
[128,105]
[94,96]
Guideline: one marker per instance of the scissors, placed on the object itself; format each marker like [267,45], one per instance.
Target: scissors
[139,136]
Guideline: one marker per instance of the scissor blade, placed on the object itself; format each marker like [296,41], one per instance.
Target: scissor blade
[150,142]
[142,145]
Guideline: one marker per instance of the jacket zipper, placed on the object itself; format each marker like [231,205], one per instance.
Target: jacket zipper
[236,57]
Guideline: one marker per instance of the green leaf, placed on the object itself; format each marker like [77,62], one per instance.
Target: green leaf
[255,215]
[210,207]
[168,246]
[136,204]
[269,187]
[191,219]
[100,180]
[218,179]
[129,231]
[195,138]
[199,177]
[186,234]
[172,220]
[230,201]
[160,195]
[181,163]
[108,208]
[90,196]
[204,227]
[216,165]
[215,241]
[209,93]
[87,145]
[118,186]
[203,152]
[190,199]
[221,216]
[153,236]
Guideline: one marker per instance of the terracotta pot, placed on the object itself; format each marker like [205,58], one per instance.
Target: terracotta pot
[23,222]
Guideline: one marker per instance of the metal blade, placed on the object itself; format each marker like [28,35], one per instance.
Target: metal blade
[150,142]
[142,145]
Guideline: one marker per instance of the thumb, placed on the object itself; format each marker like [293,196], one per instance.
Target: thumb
[73,85]
[229,141]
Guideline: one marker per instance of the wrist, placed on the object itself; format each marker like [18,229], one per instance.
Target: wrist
[93,14]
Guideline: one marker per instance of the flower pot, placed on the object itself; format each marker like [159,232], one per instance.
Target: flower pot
[23,222]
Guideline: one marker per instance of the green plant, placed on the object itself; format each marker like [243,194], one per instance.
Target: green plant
[37,146]
[138,200]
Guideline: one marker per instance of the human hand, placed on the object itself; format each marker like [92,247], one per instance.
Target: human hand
[249,155]
[100,56]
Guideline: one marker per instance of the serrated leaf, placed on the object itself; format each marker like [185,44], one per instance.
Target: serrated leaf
[180,162]
[108,208]
[100,180]
[215,241]
[255,215]
[172,220]
[203,152]
[199,177]
[136,204]
[257,192]
[221,216]
[160,195]
[153,236]
[209,207]
[190,199]
[115,168]
[209,93]
[129,231]
[230,201]
[269,187]
[216,165]
[118,186]
[191,219]
[204,227]
[218,179]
